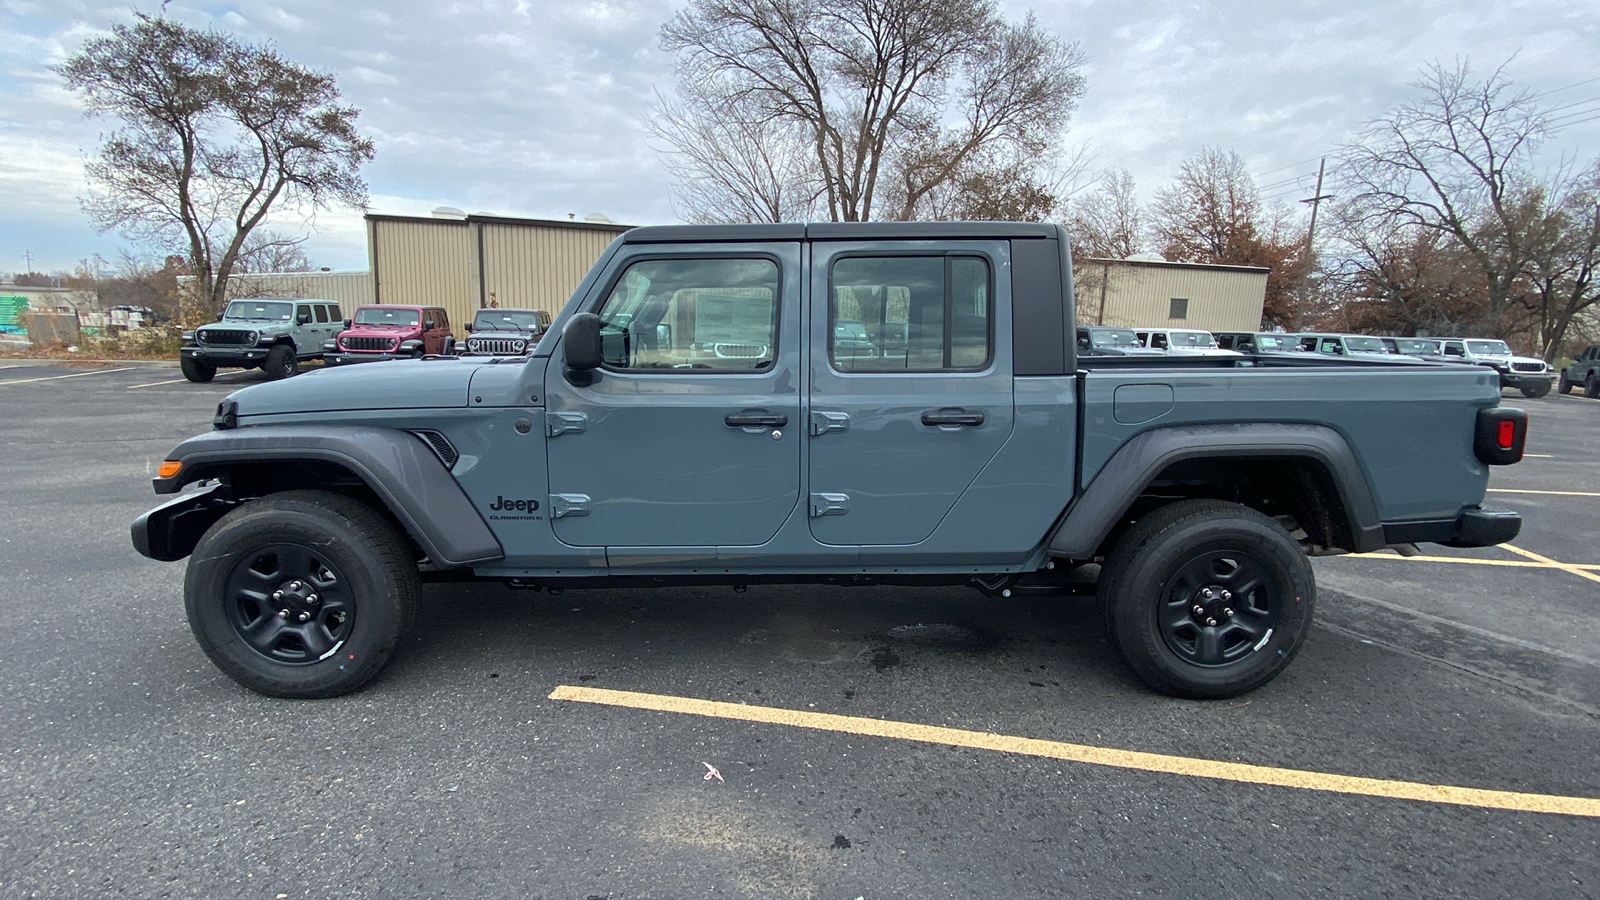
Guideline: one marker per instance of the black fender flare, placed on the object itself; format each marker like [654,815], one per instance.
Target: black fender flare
[400,467]
[1096,511]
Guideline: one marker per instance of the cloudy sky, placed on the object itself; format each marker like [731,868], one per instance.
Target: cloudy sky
[534,108]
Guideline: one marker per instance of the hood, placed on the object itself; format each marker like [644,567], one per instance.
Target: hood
[442,382]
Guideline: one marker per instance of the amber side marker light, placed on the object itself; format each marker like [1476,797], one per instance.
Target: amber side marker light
[169,468]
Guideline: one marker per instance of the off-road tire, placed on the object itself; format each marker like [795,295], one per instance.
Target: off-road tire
[1538,390]
[1563,385]
[1591,386]
[361,578]
[1155,576]
[197,371]
[280,362]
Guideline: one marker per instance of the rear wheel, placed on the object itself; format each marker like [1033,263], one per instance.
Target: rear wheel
[1207,599]
[280,362]
[302,594]
[197,371]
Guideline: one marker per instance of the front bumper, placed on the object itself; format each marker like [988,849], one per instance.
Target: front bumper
[1477,526]
[348,357]
[1519,380]
[226,356]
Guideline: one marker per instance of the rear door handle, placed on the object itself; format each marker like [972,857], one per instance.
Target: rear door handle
[952,416]
[755,418]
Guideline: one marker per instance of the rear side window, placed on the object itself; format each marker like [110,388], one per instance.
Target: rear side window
[692,315]
[910,314]
[321,312]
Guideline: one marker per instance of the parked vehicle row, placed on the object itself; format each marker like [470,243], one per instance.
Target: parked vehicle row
[276,334]
[1529,375]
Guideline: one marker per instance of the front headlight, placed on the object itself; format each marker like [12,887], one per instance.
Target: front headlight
[519,346]
[188,335]
[249,337]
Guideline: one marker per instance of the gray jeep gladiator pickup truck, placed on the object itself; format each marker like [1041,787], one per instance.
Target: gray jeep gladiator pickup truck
[692,417]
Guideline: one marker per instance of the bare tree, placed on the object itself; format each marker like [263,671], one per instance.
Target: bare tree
[1455,161]
[730,167]
[1563,252]
[894,99]
[1108,221]
[1213,213]
[214,135]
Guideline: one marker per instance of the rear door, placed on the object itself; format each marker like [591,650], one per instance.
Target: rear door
[898,429]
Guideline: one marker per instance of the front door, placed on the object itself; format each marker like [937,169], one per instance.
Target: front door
[689,434]
[910,387]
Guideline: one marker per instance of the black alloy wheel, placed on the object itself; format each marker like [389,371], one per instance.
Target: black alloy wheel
[197,371]
[280,362]
[1207,599]
[302,594]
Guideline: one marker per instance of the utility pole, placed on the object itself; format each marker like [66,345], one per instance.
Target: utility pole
[28,254]
[1315,199]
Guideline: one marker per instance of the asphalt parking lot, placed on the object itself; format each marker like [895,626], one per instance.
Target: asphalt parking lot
[530,745]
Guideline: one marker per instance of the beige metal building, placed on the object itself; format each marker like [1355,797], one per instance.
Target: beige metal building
[1152,293]
[464,263]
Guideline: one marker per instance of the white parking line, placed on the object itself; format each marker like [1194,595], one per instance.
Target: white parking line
[155,383]
[73,375]
[1550,493]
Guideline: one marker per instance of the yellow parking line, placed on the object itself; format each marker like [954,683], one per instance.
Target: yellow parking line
[155,383]
[1551,493]
[1565,567]
[1473,561]
[73,375]
[1085,753]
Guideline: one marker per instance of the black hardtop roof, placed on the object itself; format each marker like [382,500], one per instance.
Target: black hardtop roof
[840,231]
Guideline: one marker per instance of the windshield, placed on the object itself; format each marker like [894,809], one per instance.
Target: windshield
[259,310]
[1190,338]
[1412,345]
[386,315]
[1268,342]
[1113,337]
[1489,348]
[1364,345]
[505,320]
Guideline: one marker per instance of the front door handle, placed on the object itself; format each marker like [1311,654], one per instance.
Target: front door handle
[952,416]
[755,418]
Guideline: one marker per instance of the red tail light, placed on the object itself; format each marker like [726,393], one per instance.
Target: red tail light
[1500,435]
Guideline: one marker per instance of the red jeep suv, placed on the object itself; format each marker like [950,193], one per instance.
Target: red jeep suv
[391,332]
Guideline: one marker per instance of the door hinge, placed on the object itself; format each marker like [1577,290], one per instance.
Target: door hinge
[829,504]
[559,423]
[563,505]
[824,422]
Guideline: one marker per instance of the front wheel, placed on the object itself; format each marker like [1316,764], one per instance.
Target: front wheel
[1563,385]
[1591,386]
[1537,390]
[302,594]
[197,371]
[280,362]
[1207,599]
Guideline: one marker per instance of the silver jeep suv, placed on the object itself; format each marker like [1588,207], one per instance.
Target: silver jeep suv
[269,333]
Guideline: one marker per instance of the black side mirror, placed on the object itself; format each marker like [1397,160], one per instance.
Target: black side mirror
[468,327]
[303,318]
[581,348]
[346,324]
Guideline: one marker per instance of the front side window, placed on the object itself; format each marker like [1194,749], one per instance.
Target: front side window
[691,314]
[910,314]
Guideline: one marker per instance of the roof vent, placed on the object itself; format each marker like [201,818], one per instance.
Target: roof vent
[598,219]
[1147,257]
[448,212]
